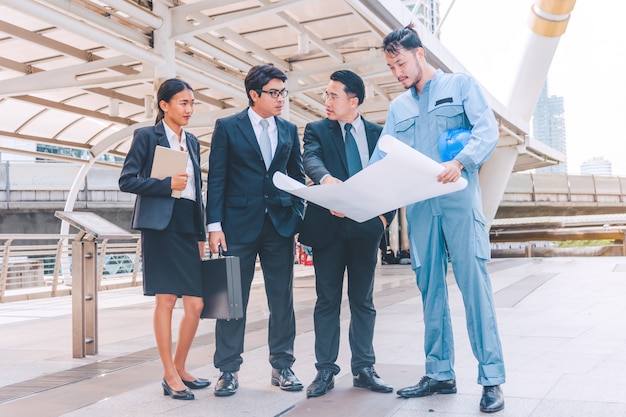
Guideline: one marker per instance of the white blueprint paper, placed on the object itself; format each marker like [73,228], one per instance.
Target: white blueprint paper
[404,176]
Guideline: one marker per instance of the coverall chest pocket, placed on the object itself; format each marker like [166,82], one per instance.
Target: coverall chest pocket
[450,117]
[405,131]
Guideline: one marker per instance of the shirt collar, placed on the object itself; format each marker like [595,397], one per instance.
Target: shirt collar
[172,137]
[438,73]
[256,119]
[357,124]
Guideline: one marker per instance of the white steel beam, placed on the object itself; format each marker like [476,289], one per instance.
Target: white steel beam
[102,21]
[136,12]
[47,14]
[183,29]
[67,77]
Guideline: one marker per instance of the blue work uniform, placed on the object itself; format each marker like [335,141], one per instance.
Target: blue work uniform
[453,224]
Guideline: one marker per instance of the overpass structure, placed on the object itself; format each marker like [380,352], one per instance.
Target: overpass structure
[540,195]
[81,74]
[38,189]
[535,208]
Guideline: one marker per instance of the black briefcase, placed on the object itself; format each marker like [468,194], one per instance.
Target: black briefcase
[221,285]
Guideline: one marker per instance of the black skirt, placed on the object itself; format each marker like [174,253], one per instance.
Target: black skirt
[171,258]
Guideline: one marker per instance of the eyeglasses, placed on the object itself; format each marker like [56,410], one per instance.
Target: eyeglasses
[334,97]
[275,93]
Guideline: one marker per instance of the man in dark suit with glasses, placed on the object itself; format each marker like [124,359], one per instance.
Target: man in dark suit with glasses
[336,148]
[248,216]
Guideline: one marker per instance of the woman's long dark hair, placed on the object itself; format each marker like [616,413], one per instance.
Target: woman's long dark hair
[167,90]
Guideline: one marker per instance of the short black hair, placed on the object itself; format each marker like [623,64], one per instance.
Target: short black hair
[405,38]
[353,84]
[259,76]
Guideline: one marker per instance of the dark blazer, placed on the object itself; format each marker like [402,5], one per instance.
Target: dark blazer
[154,204]
[240,188]
[325,154]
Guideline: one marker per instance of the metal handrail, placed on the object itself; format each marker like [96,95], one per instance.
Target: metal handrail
[32,265]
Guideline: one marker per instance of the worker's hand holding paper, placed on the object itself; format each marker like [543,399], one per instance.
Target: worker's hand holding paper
[404,176]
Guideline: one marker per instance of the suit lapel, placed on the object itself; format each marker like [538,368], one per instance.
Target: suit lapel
[245,125]
[337,139]
[159,130]
[191,148]
[284,139]
[336,136]
[192,144]
[372,136]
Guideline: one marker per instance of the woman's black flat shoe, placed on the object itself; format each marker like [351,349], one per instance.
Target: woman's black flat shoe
[177,395]
[199,383]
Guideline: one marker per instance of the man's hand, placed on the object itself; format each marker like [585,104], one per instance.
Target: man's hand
[384,220]
[329,179]
[337,214]
[217,239]
[451,172]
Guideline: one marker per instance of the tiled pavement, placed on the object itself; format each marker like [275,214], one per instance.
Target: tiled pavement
[562,322]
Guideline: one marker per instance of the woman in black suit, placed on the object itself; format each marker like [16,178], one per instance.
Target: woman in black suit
[172,231]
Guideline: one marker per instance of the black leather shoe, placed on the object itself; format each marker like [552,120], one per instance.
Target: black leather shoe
[324,381]
[492,399]
[227,384]
[177,395]
[428,386]
[286,380]
[199,383]
[368,378]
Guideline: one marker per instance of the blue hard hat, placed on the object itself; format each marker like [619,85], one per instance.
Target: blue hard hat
[451,142]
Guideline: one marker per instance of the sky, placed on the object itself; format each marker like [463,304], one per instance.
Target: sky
[588,68]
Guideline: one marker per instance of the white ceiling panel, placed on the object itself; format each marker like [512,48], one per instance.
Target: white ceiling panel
[62,62]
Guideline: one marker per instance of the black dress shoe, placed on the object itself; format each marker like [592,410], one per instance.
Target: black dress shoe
[286,380]
[368,378]
[227,384]
[199,383]
[428,386]
[492,399]
[177,395]
[324,381]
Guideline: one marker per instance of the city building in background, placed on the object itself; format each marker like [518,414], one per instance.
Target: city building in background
[426,12]
[548,126]
[596,166]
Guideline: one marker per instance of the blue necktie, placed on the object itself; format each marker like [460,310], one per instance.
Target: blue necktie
[352,152]
[265,144]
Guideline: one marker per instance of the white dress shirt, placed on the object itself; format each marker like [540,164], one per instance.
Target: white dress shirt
[190,190]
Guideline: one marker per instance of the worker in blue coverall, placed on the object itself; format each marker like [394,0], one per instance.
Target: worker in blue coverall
[449,225]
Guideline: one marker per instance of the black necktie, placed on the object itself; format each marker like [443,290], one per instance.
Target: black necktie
[352,152]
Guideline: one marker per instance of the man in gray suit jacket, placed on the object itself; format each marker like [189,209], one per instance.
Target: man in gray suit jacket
[332,156]
[248,216]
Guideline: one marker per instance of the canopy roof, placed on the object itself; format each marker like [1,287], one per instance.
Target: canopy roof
[81,74]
